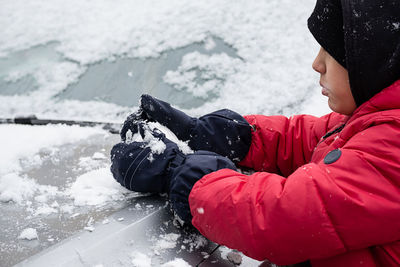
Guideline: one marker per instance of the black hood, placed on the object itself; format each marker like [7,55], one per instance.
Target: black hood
[364,37]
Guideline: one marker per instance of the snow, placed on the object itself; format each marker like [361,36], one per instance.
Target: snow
[96,188]
[176,263]
[214,71]
[166,241]
[183,146]
[24,142]
[200,210]
[195,242]
[140,260]
[15,188]
[98,156]
[156,145]
[90,163]
[273,48]
[267,70]
[89,228]
[45,210]
[28,234]
[209,44]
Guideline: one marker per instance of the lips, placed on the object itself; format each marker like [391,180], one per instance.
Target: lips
[324,90]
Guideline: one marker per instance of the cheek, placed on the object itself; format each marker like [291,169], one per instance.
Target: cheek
[337,74]
[342,102]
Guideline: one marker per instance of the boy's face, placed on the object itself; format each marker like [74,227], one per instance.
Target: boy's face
[335,83]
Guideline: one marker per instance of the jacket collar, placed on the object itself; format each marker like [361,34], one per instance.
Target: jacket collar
[387,99]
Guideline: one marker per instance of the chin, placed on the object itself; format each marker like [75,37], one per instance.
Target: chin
[337,109]
[332,107]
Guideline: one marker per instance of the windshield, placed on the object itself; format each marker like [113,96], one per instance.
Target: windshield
[91,60]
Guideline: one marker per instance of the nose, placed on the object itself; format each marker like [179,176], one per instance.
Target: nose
[319,64]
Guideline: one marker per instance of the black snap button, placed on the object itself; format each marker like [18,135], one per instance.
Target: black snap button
[332,156]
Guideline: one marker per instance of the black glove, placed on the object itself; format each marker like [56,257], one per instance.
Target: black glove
[138,168]
[224,131]
[133,123]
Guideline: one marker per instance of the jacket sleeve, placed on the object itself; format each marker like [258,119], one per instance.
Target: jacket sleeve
[280,144]
[319,211]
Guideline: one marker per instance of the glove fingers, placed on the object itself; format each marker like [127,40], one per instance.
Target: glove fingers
[133,128]
[149,104]
[128,126]
[177,121]
[133,123]
[155,109]
[139,115]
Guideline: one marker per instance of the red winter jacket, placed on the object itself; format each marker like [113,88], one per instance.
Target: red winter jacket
[298,207]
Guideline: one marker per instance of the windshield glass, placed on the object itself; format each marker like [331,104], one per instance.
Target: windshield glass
[91,60]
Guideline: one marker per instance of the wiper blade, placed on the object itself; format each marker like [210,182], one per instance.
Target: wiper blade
[33,120]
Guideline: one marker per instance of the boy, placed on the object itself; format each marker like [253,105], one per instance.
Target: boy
[326,191]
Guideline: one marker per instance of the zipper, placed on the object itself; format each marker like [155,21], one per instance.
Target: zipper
[337,130]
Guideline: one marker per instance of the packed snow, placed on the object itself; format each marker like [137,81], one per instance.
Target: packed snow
[96,188]
[28,234]
[151,139]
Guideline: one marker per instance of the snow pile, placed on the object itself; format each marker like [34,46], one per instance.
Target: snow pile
[156,145]
[177,262]
[96,188]
[15,188]
[166,241]
[140,260]
[25,142]
[18,189]
[28,234]
[25,147]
